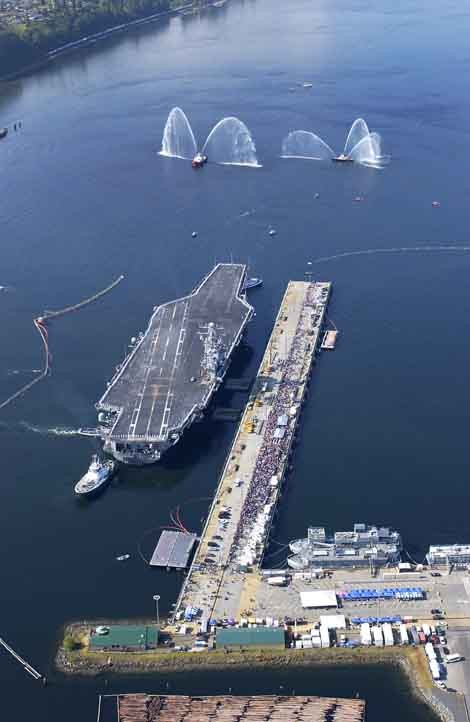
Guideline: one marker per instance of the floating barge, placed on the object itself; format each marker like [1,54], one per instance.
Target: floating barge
[329,340]
[173,550]
[174,368]
[227,708]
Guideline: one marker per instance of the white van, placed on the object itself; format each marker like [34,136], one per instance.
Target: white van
[449,658]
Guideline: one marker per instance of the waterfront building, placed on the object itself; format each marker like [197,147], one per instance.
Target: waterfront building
[125,638]
[364,546]
[235,638]
[449,554]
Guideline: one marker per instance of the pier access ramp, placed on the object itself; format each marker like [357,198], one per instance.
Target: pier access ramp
[162,384]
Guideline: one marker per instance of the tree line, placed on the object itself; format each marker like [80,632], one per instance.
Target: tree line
[26,43]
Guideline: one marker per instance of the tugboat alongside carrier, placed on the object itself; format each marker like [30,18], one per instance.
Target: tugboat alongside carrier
[172,371]
[98,474]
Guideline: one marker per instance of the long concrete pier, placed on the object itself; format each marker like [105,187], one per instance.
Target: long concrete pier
[236,532]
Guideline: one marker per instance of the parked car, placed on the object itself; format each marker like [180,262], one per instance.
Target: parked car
[102,630]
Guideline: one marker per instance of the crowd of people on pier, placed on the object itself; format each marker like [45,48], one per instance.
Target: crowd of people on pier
[257,509]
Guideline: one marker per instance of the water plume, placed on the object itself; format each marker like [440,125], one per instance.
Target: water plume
[230,143]
[178,138]
[361,146]
[357,133]
[304,144]
[368,151]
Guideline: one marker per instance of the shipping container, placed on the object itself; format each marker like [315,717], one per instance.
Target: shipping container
[422,637]
[435,669]
[388,634]
[366,637]
[414,635]
[325,636]
[430,652]
[378,636]
[404,634]
[277,581]
[427,630]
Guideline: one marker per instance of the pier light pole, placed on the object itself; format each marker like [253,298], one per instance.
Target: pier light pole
[156,599]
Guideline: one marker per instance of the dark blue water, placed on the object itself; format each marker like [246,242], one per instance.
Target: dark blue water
[85,197]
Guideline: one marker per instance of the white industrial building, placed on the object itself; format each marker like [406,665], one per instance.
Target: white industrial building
[318,599]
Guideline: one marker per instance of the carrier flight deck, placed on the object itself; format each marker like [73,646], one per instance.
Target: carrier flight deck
[174,368]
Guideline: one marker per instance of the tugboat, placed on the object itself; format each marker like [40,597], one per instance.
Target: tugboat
[199,160]
[3,133]
[252,283]
[341,158]
[99,472]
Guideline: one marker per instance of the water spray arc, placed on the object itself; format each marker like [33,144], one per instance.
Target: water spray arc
[229,142]
[361,146]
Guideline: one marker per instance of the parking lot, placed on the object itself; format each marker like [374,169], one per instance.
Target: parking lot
[448,593]
[458,673]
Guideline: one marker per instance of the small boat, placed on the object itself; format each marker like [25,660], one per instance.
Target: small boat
[341,158]
[123,557]
[252,283]
[199,160]
[99,472]
[3,133]
[307,85]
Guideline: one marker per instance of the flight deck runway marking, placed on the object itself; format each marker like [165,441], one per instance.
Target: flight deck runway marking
[170,394]
[153,346]
[163,425]
[166,349]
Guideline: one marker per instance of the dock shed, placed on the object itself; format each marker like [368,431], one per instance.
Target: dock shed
[251,637]
[125,638]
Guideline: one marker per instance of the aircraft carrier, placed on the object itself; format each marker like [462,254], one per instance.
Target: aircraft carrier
[174,368]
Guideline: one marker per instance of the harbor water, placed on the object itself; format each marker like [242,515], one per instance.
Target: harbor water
[85,197]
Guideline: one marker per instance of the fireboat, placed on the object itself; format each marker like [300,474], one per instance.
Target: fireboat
[341,158]
[199,160]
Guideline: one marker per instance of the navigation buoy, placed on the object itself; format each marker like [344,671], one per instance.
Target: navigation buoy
[317,195]
[194,234]
[272,232]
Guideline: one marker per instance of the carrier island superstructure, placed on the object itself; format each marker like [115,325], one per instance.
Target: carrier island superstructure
[174,368]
